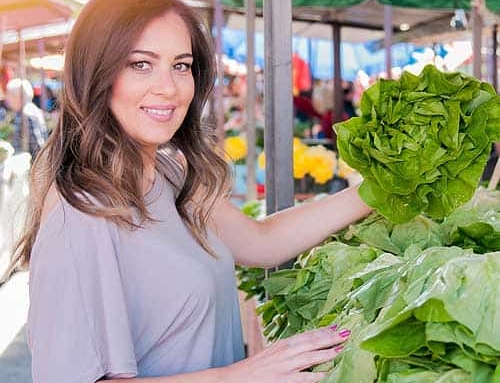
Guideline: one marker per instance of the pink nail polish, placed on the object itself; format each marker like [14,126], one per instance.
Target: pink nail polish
[333,327]
[345,333]
[339,348]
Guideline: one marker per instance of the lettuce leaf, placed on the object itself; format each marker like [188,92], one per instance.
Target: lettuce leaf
[421,143]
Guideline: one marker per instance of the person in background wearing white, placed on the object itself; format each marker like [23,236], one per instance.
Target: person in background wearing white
[19,98]
[132,238]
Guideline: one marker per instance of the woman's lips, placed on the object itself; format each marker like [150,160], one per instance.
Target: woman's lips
[160,114]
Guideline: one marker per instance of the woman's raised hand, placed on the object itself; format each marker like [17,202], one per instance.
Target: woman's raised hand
[285,361]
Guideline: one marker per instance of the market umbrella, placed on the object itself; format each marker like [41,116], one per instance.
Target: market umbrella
[21,14]
[16,15]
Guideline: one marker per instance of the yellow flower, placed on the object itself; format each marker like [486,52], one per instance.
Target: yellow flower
[300,165]
[344,169]
[317,161]
[321,174]
[321,163]
[261,160]
[235,148]
[298,145]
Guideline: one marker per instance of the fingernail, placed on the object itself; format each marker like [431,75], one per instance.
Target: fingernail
[333,327]
[339,348]
[345,333]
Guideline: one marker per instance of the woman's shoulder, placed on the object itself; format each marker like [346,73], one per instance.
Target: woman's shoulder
[52,201]
[57,211]
[64,229]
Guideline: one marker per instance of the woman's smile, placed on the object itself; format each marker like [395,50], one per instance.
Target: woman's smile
[159,113]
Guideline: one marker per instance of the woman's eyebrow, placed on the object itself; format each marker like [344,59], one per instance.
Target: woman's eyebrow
[157,56]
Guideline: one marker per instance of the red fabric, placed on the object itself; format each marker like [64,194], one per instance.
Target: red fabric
[6,75]
[305,105]
[327,122]
[301,75]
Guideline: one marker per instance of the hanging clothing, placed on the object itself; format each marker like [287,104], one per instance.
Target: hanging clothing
[301,75]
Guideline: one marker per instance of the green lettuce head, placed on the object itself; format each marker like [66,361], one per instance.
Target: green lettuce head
[421,142]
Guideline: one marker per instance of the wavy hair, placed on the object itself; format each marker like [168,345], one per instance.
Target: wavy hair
[89,154]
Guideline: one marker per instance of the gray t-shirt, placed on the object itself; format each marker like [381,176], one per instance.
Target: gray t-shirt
[106,301]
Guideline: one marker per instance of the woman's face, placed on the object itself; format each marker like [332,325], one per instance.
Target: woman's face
[152,93]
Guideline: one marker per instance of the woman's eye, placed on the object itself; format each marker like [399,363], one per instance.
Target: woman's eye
[183,67]
[140,65]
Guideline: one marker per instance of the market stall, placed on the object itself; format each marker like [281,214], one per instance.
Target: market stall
[277,117]
[415,281]
[384,15]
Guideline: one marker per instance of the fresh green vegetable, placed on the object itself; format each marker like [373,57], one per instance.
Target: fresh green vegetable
[421,143]
[250,278]
[420,308]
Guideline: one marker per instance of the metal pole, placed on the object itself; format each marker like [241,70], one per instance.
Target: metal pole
[219,89]
[43,94]
[279,104]
[22,75]
[338,91]
[251,192]
[2,28]
[477,25]
[388,39]
[494,57]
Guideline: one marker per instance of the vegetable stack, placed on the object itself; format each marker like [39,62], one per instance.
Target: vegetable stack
[421,298]
[421,142]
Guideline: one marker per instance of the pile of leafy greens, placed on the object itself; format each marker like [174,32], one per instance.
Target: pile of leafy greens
[421,142]
[421,298]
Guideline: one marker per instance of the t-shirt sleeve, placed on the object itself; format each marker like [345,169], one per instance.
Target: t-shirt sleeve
[78,323]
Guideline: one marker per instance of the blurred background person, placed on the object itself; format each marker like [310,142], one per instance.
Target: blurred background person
[19,98]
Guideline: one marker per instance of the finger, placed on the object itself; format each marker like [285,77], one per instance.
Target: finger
[313,358]
[316,340]
[306,377]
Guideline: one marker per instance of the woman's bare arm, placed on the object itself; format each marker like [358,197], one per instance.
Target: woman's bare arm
[287,233]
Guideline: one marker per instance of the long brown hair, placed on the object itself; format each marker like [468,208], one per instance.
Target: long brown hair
[89,154]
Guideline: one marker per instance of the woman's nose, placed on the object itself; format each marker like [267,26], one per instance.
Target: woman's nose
[164,84]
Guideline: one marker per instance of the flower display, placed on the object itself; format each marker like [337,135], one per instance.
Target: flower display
[321,163]
[344,170]
[235,148]
[315,161]
[300,166]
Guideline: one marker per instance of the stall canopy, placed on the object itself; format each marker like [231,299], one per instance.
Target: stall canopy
[493,5]
[318,53]
[21,14]
[18,17]
[411,19]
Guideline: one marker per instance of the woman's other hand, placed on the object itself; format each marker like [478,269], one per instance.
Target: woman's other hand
[286,360]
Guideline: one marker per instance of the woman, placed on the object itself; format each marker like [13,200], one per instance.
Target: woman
[132,237]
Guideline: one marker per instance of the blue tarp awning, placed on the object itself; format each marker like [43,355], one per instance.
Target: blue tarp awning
[319,54]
